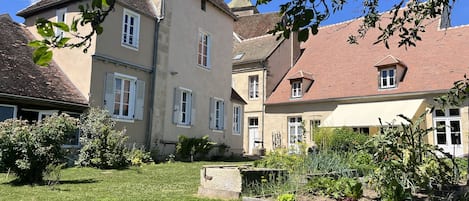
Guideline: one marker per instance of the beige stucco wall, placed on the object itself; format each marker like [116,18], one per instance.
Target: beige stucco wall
[276,119]
[73,62]
[177,67]
[136,129]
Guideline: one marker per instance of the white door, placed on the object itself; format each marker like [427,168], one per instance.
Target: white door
[295,133]
[253,133]
[447,124]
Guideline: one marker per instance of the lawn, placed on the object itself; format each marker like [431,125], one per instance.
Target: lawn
[172,182]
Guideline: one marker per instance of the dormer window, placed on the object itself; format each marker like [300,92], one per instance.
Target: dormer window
[391,71]
[387,78]
[296,91]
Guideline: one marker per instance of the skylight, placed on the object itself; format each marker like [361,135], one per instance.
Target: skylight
[238,56]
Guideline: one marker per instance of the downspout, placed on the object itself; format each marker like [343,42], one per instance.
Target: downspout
[159,17]
[264,80]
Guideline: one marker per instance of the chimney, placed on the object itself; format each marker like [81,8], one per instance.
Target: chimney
[445,20]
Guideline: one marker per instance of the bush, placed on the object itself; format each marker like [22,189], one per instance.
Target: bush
[28,150]
[102,146]
[193,147]
[337,188]
[138,156]
[286,197]
[339,139]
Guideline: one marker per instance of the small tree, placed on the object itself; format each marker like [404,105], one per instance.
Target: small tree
[28,150]
[103,147]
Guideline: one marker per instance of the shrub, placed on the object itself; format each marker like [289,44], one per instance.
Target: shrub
[138,156]
[286,197]
[282,159]
[102,146]
[337,188]
[28,150]
[339,139]
[193,147]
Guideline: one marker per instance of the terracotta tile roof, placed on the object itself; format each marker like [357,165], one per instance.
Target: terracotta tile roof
[143,6]
[254,49]
[388,60]
[342,70]
[262,23]
[301,74]
[20,76]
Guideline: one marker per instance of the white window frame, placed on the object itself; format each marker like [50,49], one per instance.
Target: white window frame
[136,30]
[297,131]
[218,114]
[41,112]
[15,109]
[132,94]
[237,118]
[253,87]
[387,78]
[188,108]
[296,89]
[447,119]
[60,13]
[204,38]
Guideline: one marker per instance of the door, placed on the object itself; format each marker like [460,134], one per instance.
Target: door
[447,124]
[253,133]
[295,133]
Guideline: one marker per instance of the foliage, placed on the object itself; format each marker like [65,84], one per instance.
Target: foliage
[328,161]
[193,147]
[28,150]
[90,15]
[361,161]
[456,95]
[138,156]
[405,163]
[284,159]
[286,197]
[303,16]
[337,188]
[102,146]
[339,139]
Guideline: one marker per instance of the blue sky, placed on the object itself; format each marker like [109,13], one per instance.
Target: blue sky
[460,14]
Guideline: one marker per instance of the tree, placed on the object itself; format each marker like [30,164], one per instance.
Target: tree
[300,16]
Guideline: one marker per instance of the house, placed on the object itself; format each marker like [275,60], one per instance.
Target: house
[161,68]
[30,92]
[335,84]
[260,61]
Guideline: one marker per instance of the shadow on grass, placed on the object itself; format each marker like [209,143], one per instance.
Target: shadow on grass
[17,182]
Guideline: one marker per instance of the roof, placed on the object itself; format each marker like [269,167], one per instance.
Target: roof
[240,3]
[235,96]
[220,4]
[255,49]
[21,77]
[342,70]
[388,60]
[144,6]
[262,23]
[301,74]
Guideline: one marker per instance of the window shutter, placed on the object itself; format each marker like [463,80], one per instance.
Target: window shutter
[209,50]
[176,105]
[192,120]
[379,79]
[109,93]
[241,119]
[212,114]
[139,99]
[222,116]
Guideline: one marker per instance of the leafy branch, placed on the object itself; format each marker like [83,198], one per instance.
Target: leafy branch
[93,16]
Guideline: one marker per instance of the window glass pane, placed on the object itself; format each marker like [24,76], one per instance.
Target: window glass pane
[439,113]
[391,73]
[384,73]
[6,112]
[441,126]
[31,116]
[455,126]
[454,112]
[441,138]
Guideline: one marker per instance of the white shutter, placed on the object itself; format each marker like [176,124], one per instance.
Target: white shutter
[212,114]
[109,93]
[176,105]
[241,119]
[192,116]
[209,50]
[139,100]
[223,115]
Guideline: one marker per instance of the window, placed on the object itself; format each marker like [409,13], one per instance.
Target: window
[362,130]
[238,56]
[237,119]
[314,125]
[183,106]
[295,132]
[296,89]
[7,112]
[447,124]
[130,29]
[387,78]
[34,116]
[60,18]
[203,4]
[217,114]
[253,87]
[124,96]
[203,51]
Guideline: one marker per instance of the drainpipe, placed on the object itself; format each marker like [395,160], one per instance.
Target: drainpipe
[264,80]
[159,17]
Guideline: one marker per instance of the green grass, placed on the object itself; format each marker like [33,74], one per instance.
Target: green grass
[172,182]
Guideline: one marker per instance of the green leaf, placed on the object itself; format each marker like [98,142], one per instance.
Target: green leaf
[44,28]
[42,56]
[36,44]
[62,42]
[62,26]
[99,30]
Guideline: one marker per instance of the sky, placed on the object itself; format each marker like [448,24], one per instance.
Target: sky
[460,14]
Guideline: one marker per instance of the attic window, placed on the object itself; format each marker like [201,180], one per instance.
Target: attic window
[387,78]
[296,91]
[238,56]
[391,71]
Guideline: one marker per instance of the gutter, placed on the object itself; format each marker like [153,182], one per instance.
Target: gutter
[159,17]
[44,100]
